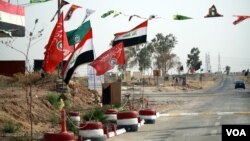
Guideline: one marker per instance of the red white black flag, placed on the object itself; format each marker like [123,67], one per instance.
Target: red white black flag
[83,54]
[12,20]
[132,37]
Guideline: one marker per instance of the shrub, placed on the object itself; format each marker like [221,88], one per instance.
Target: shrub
[54,119]
[71,126]
[10,127]
[96,114]
[53,99]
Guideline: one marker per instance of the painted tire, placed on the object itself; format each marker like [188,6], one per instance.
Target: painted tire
[111,111]
[74,114]
[149,115]
[147,112]
[91,130]
[128,120]
[111,115]
[101,138]
[59,136]
[127,115]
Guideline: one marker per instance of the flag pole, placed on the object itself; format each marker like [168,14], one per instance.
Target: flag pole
[61,64]
[58,6]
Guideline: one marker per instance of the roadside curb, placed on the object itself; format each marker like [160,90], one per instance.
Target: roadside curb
[203,113]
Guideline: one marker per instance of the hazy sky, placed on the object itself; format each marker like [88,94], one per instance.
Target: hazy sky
[210,35]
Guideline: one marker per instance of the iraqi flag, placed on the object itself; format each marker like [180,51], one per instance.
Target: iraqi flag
[133,37]
[12,20]
[110,58]
[83,54]
[57,48]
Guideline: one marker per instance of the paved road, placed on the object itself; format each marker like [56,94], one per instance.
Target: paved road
[200,118]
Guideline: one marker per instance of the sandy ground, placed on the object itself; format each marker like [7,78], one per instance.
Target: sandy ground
[14,107]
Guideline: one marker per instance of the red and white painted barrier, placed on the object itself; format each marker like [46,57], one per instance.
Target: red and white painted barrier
[75,117]
[114,131]
[128,120]
[149,115]
[111,115]
[157,114]
[140,122]
[63,135]
[50,136]
[92,131]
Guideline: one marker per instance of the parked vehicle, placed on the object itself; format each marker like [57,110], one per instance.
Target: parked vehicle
[240,84]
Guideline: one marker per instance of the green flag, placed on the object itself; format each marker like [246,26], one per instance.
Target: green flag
[181,17]
[75,36]
[37,1]
[104,15]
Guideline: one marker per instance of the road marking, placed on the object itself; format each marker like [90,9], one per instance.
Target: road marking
[225,113]
[214,132]
[217,123]
[204,113]
[189,114]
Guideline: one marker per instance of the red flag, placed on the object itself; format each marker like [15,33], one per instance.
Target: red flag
[240,19]
[70,12]
[109,59]
[57,48]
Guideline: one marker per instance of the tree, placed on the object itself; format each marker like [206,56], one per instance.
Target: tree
[137,55]
[163,45]
[144,57]
[131,58]
[28,80]
[194,61]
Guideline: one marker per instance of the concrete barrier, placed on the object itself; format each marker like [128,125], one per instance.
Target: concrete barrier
[149,115]
[128,120]
[92,131]
[75,117]
[111,115]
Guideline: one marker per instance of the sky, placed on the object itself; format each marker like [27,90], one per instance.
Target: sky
[211,35]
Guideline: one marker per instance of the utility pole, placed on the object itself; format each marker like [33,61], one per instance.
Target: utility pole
[207,61]
[209,64]
[219,64]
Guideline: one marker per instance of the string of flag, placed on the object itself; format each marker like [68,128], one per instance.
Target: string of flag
[212,12]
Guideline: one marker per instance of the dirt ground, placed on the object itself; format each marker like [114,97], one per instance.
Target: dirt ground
[14,104]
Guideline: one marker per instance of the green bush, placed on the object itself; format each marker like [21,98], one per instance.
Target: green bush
[54,119]
[96,114]
[54,99]
[10,127]
[71,126]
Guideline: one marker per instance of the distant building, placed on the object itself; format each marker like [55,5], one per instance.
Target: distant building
[11,67]
[38,64]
